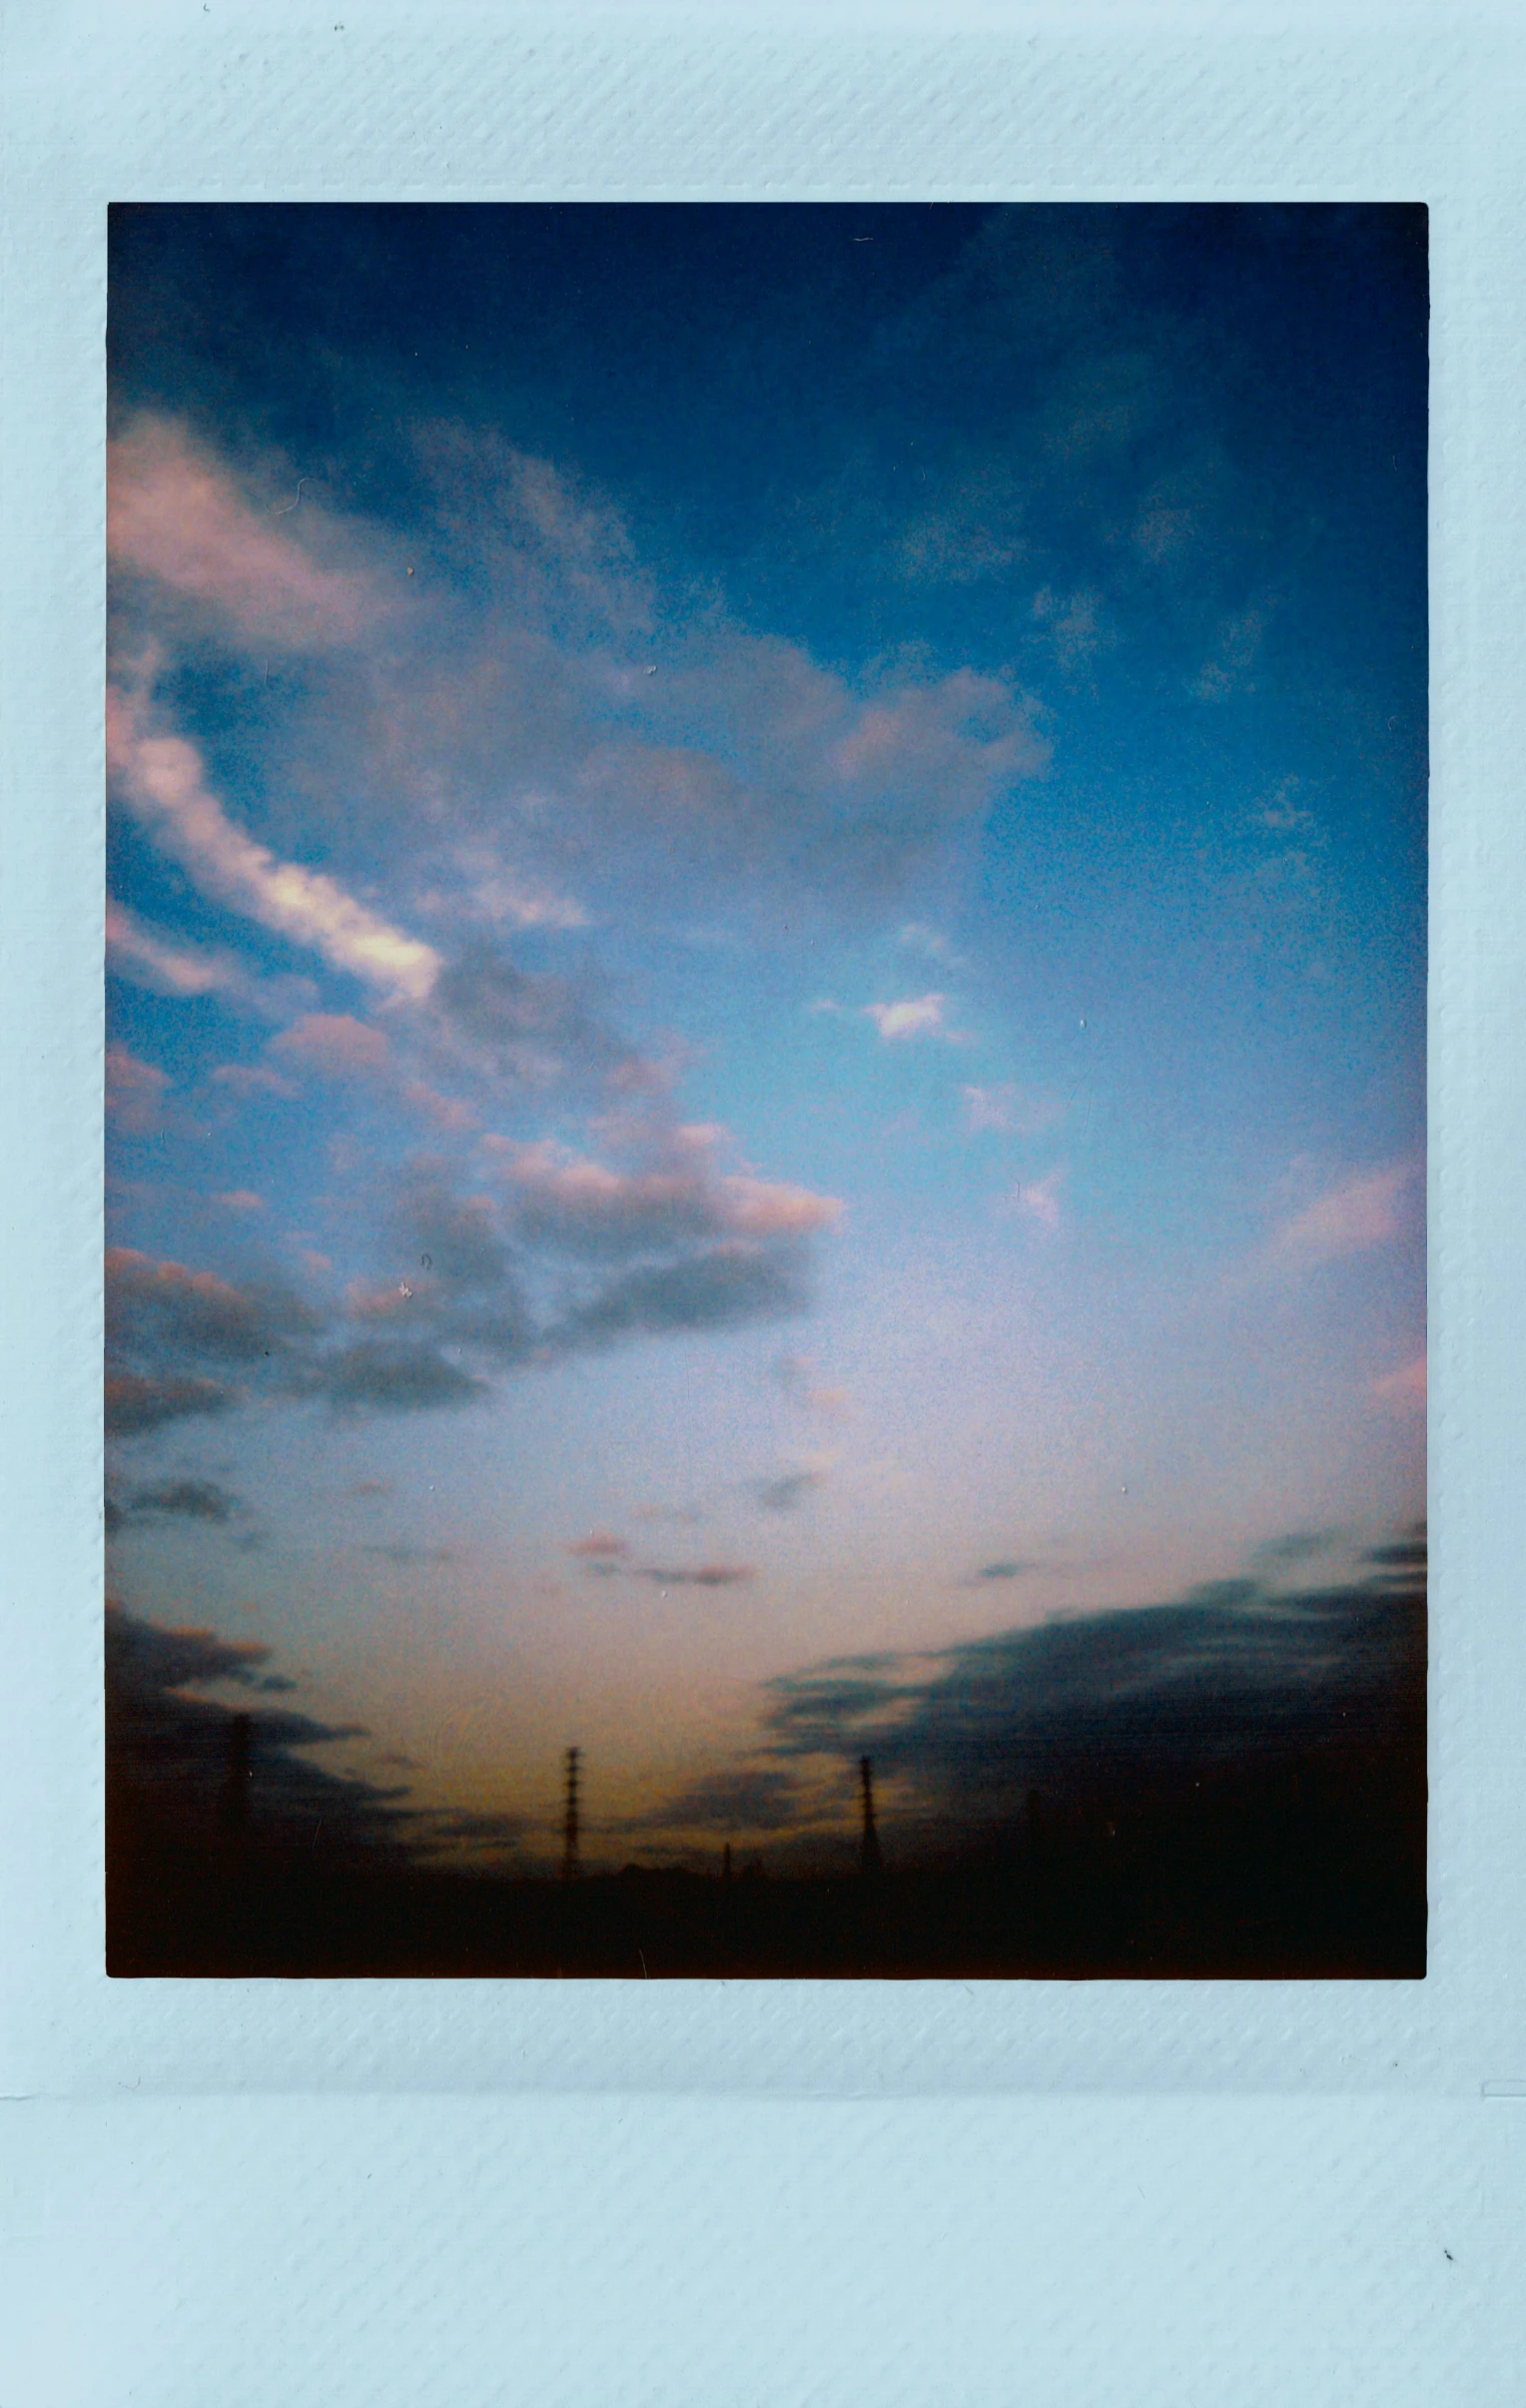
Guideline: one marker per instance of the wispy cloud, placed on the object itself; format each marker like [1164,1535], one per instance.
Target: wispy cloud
[162,780]
[1364,1210]
[165,966]
[1008,1110]
[175,515]
[1040,1198]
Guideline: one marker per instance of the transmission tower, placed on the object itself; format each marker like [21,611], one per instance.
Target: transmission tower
[869,1853]
[571,1863]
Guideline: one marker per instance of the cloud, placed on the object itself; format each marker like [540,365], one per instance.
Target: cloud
[598,1546]
[254,1078]
[544,696]
[161,778]
[617,1255]
[1076,625]
[491,892]
[1364,1210]
[135,1092]
[335,1045]
[174,514]
[399,1551]
[160,1306]
[919,1015]
[178,1340]
[917,936]
[1404,1390]
[165,966]
[745,1797]
[534,1030]
[794,1373]
[1008,1568]
[171,1753]
[1229,672]
[138,1402]
[388,1376]
[790,1489]
[239,1200]
[1040,1198]
[579,1206]
[1231,1672]
[720,1287]
[491,1831]
[695,1576]
[183,1499]
[1008,1110]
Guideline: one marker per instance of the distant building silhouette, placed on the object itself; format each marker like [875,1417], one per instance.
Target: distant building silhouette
[870,1864]
[571,1861]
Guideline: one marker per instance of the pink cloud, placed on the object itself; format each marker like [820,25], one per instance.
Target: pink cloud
[335,1045]
[135,1092]
[965,734]
[1404,1390]
[579,1201]
[598,1546]
[175,514]
[1363,1211]
[253,1078]
[446,1112]
[240,1200]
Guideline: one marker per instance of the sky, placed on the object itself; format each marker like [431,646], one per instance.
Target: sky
[766,991]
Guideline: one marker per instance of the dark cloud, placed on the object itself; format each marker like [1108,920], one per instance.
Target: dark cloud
[388,1376]
[1229,1672]
[1007,1568]
[175,1500]
[171,1751]
[399,1552]
[137,1401]
[790,1489]
[748,1798]
[719,1289]
[453,1826]
[696,1576]
[534,1030]
[1299,1546]
[457,1304]
[174,1336]
[156,1309]
[454,1239]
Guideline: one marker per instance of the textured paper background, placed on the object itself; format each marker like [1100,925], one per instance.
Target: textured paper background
[229,2193]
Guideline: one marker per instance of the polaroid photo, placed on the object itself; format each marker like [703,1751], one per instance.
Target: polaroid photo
[763,775]
[765,1088]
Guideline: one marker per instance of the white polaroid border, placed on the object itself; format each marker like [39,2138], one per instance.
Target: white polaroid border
[1054,2102]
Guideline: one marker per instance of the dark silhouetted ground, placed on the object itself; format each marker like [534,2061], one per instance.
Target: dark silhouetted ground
[1314,1866]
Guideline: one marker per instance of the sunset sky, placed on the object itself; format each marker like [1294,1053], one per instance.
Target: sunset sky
[766,973]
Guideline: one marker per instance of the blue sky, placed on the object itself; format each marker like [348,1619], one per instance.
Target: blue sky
[766,953]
